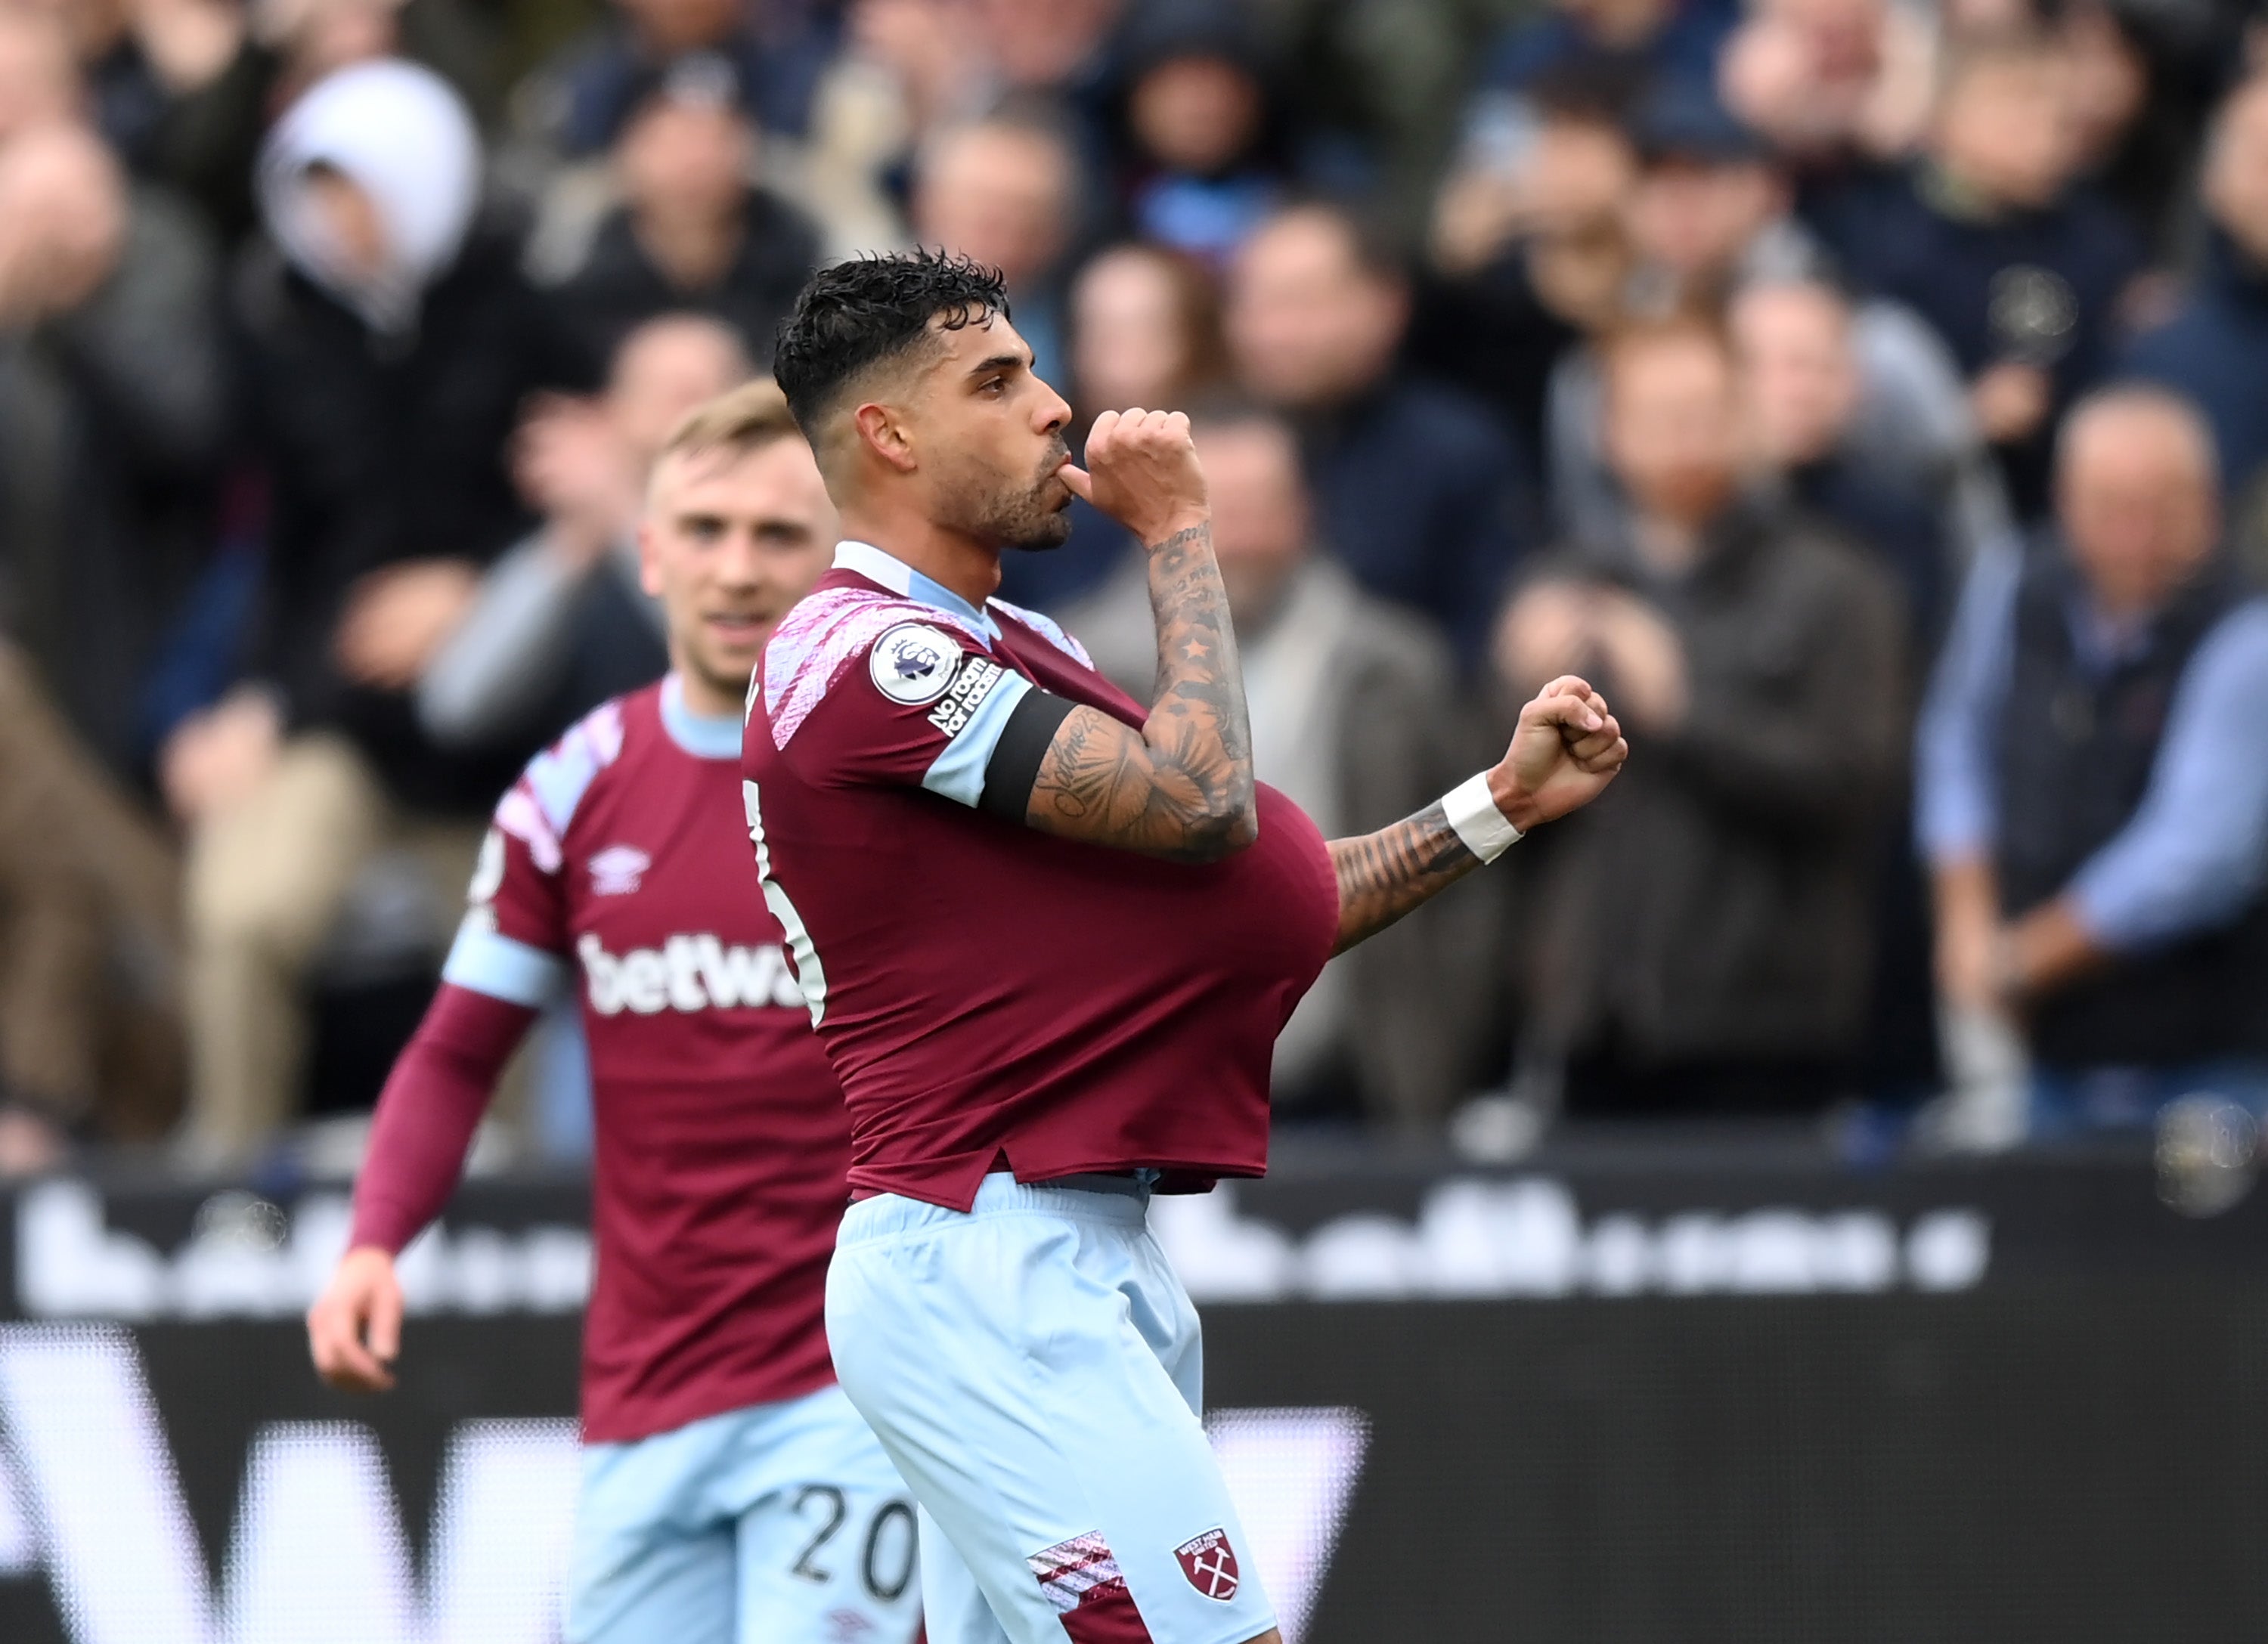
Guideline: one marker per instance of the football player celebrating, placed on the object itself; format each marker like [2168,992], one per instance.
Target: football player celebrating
[1047,936]
[731,1494]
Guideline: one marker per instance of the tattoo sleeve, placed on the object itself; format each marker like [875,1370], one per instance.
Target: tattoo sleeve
[1382,876]
[1181,786]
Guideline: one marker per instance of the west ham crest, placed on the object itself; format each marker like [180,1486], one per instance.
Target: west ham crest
[1210,1563]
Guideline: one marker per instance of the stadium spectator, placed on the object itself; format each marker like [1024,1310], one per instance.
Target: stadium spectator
[1800,381]
[2214,348]
[1419,490]
[1634,43]
[2141,90]
[90,1029]
[1144,331]
[561,623]
[1836,86]
[1708,927]
[694,231]
[2093,782]
[951,61]
[577,105]
[1528,257]
[145,58]
[188,88]
[40,83]
[112,417]
[125,98]
[1355,714]
[1004,190]
[1203,164]
[2020,271]
[390,342]
[1801,373]
[1710,212]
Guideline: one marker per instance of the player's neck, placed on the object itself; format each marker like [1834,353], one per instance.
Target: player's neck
[952,558]
[703,700]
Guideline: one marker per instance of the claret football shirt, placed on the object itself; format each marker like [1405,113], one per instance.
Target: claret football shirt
[617,868]
[989,994]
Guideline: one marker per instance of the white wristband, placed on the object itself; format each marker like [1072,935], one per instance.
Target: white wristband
[1472,812]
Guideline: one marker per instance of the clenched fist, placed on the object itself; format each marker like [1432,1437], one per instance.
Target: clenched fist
[1567,748]
[1142,471]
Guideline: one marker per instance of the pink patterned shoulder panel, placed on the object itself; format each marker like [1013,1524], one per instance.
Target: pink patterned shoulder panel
[538,807]
[818,640]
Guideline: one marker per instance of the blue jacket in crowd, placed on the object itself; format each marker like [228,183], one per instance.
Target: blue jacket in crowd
[2215,350]
[1423,495]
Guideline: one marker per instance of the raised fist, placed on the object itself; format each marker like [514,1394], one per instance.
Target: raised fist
[1567,748]
[1142,471]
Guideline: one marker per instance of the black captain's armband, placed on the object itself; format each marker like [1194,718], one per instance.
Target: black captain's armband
[1014,770]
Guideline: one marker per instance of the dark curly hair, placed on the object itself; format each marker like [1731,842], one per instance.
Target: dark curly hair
[858,313]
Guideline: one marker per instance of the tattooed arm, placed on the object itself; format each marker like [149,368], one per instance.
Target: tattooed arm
[1181,785]
[1382,876]
[1565,753]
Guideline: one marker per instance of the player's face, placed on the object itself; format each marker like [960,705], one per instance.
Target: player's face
[728,544]
[991,437]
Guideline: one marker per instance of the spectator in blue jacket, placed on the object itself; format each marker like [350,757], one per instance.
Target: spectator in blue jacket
[583,98]
[2093,782]
[1419,490]
[2214,348]
[1636,43]
[1987,237]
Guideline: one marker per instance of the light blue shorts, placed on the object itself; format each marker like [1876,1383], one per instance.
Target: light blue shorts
[1034,1371]
[782,1523]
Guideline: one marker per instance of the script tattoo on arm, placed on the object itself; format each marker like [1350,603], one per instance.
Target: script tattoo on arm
[1382,876]
[1181,786]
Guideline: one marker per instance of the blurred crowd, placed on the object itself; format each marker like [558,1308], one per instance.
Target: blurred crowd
[1870,396]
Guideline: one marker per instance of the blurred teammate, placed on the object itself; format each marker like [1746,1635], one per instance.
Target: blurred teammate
[1048,938]
[731,1494]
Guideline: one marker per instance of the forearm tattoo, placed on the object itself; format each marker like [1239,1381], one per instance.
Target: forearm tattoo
[1182,787]
[1382,876]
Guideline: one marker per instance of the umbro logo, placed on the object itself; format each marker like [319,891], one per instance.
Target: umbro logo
[615,870]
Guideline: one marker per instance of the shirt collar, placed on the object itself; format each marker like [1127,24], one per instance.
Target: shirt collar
[895,574]
[704,735]
[2104,641]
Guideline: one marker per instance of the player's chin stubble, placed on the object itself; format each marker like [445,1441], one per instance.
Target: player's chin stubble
[1042,521]
[1034,519]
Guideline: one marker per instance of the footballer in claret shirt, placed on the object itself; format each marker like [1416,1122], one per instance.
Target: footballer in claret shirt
[730,1493]
[1047,936]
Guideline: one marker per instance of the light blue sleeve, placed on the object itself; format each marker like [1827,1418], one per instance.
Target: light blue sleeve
[2196,851]
[972,714]
[488,963]
[1956,810]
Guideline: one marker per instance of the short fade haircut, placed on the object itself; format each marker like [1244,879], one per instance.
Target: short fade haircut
[744,420]
[855,315]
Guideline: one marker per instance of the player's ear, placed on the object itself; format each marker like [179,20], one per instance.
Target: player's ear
[883,430]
